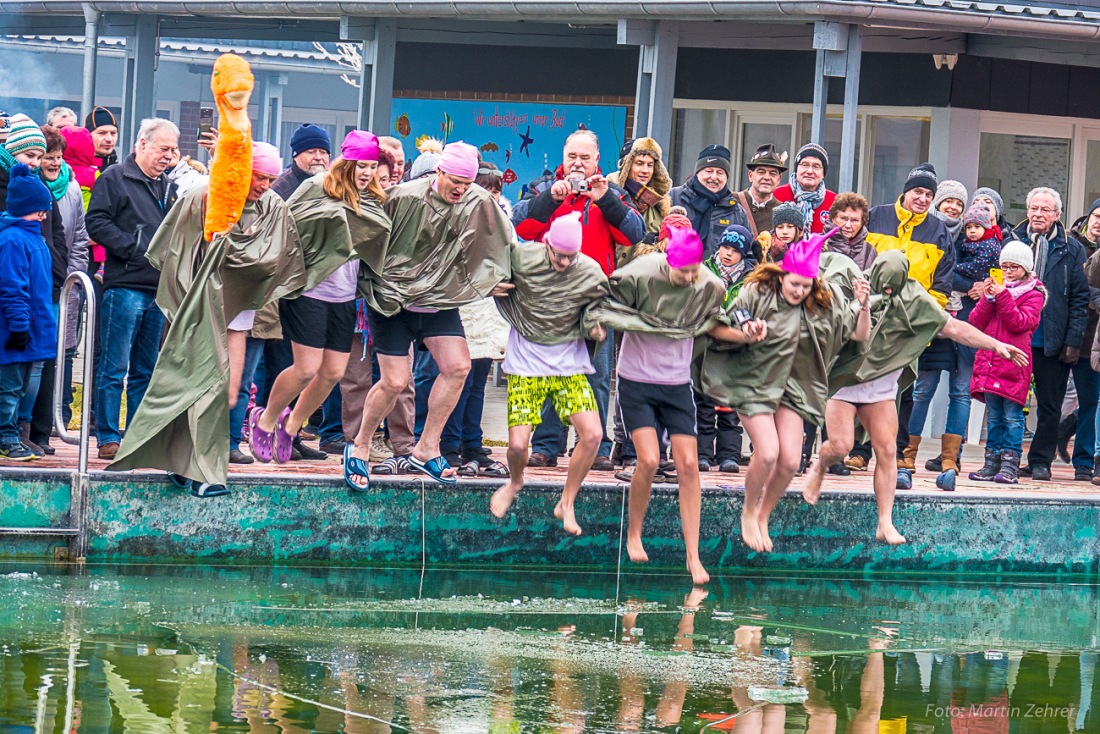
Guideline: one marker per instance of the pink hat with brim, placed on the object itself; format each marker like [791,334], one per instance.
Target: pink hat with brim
[804,256]
[459,159]
[565,233]
[266,159]
[684,248]
[359,145]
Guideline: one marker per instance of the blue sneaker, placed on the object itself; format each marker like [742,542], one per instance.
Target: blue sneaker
[17,452]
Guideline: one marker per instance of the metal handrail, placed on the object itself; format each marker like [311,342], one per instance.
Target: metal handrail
[78,493]
[80,440]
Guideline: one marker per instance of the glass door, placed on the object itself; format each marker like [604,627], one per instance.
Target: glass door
[1015,163]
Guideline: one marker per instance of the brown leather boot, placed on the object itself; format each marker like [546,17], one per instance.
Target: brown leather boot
[950,443]
[909,454]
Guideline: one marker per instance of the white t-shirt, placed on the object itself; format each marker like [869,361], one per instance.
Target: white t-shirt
[877,390]
[656,360]
[527,359]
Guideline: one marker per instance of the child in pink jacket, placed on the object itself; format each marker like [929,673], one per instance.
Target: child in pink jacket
[1010,313]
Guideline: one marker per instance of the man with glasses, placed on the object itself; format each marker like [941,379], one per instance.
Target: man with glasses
[1057,346]
[766,168]
[547,359]
[449,246]
[128,204]
[807,187]
[607,221]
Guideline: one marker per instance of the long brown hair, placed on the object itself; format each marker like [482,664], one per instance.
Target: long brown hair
[339,184]
[770,275]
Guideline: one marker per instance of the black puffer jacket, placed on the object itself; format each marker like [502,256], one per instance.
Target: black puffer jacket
[123,215]
[710,213]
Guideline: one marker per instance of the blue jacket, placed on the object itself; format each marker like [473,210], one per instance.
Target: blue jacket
[709,213]
[26,290]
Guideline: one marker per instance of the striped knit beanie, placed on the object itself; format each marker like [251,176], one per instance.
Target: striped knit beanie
[24,134]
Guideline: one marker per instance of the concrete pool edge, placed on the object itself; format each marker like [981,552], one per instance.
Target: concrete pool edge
[305,520]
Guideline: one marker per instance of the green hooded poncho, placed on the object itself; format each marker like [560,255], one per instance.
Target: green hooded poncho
[645,300]
[902,324]
[333,233]
[182,425]
[791,366]
[440,255]
[546,306]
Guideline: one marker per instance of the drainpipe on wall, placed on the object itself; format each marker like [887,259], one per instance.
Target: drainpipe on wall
[91,43]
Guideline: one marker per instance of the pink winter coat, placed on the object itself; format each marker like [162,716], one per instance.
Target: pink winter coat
[1011,321]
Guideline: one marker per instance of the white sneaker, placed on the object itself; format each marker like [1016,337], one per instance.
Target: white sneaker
[378,449]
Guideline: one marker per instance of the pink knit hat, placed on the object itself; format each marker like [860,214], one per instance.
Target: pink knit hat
[459,159]
[266,159]
[684,248]
[565,233]
[359,145]
[804,256]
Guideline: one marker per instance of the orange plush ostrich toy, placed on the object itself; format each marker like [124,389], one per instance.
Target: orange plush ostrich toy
[231,170]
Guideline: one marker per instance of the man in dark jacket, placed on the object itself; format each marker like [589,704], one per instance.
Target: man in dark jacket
[706,197]
[127,205]
[1086,230]
[1058,345]
[310,148]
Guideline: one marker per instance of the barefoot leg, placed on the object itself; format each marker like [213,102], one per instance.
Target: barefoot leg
[765,454]
[518,439]
[641,486]
[589,435]
[685,452]
[789,429]
[881,420]
[839,426]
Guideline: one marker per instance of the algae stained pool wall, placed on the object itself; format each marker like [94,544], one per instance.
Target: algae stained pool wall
[310,520]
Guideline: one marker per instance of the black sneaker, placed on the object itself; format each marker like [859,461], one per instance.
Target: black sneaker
[308,453]
[704,465]
[1040,473]
[236,456]
[838,469]
[1082,474]
[729,466]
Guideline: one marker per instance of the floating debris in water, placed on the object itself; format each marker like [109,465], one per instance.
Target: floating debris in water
[778,694]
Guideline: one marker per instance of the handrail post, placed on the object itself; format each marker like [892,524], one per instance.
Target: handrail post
[78,498]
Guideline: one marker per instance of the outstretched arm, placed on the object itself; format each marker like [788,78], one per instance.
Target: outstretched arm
[750,333]
[963,333]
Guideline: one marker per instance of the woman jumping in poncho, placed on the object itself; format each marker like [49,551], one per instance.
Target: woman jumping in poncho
[777,383]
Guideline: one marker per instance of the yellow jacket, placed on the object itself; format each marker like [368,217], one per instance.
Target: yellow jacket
[921,238]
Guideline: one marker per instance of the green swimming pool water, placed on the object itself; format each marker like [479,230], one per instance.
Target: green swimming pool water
[199,649]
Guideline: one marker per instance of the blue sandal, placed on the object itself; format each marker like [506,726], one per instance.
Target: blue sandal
[434,469]
[355,467]
[206,489]
[179,481]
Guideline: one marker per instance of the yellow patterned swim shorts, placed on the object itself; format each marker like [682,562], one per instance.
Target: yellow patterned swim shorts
[526,396]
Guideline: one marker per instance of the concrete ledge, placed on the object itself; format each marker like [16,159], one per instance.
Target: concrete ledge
[289,519]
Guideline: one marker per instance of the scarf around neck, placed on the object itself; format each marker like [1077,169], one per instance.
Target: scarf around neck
[6,159]
[1020,287]
[954,226]
[730,273]
[59,185]
[808,201]
[702,204]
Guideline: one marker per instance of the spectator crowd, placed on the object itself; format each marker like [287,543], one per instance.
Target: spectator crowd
[71,202]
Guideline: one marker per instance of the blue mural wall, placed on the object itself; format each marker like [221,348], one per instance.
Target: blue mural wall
[522,139]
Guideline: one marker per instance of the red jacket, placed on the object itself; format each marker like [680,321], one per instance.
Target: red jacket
[610,222]
[821,214]
[1011,321]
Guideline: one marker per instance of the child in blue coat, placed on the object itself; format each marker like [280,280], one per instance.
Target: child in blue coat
[28,324]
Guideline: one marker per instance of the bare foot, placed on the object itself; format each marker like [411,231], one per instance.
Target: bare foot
[812,491]
[699,576]
[503,498]
[568,519]
[750,532]
[765,538]
[887,533]
[635,550]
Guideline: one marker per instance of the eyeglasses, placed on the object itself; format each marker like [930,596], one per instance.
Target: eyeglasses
[483,171]
[1011,267]
[1041,210]
[807,166]
[561,257]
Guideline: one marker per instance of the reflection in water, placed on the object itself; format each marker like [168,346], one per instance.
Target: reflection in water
[141,650]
